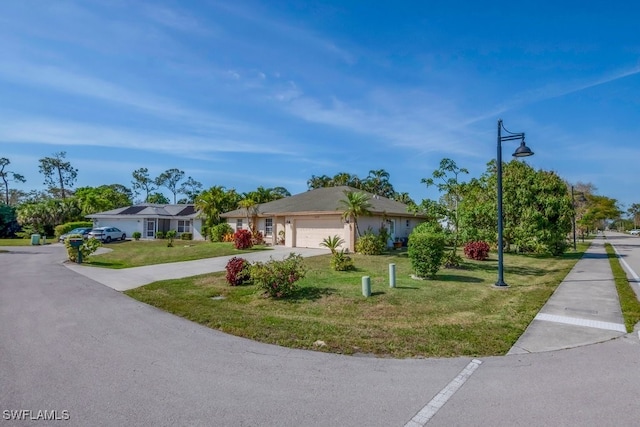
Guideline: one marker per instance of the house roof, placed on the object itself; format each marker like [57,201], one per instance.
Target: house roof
[149,210]
[322,201]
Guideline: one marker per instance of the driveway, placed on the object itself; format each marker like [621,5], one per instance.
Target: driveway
[68,343]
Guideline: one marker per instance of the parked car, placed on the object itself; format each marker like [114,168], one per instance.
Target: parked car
[107,234]
[81,230]
[634,232]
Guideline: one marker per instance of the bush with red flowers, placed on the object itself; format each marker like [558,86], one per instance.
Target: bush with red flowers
[238,271]
[477,250]
[242,239]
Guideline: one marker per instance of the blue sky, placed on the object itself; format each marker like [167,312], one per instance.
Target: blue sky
[246,93]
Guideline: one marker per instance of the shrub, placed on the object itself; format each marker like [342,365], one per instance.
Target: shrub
[136,235]
[228,238]
[257,239]
[171,234]
[340,261]
[278,278]
[371,244]
[88,247]
[219,231]
[160,235]
[451,259]
[477,250]
[186,236]
[426,250]
[332,243]
[242,239]
[238,271]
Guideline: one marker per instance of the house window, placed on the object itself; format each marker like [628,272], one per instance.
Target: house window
[408,222]
[268,227]
[238,224]
[184,226]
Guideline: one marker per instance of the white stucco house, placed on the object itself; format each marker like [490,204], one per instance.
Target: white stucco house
[305,219]
[148,219]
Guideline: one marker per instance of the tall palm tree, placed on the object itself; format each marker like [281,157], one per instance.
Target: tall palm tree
[209,204]
[355,204]
[251,210]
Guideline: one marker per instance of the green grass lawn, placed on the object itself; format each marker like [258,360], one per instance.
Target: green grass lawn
[133,253]
[628,300]
[23,242]
[459,313]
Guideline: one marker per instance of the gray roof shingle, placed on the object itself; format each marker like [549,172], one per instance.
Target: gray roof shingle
[322,200]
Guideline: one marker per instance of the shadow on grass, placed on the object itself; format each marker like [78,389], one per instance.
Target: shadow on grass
[456,278]
[491,266]
[311,294]
[373,294]
[407,287]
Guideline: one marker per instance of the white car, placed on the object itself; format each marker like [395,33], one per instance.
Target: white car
[107,234]
[634,232]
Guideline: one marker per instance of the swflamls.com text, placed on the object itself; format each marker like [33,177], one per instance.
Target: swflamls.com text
[28,414]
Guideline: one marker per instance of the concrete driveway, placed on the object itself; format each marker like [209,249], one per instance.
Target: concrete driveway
[68,343]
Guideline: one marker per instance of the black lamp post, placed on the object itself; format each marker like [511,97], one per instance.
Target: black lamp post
[522,151]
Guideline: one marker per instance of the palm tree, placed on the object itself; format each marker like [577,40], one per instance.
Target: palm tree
[251,211]
[318,182]
[209,204]
[355,204]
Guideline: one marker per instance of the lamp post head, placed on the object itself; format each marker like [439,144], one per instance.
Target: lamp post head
[523,150]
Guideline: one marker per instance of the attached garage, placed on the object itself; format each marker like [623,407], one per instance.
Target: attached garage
[309,233]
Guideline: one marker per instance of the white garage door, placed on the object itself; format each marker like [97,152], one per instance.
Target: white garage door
[311,232]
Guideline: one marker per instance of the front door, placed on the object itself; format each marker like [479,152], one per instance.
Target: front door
[151,228]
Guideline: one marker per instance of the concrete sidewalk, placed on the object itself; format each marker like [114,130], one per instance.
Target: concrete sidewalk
[583,310]
[130,278]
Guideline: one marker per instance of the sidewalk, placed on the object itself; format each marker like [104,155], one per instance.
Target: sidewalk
[583,310]
[130,278]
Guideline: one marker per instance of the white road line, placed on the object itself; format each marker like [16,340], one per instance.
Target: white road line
[624,263]
[423,417]
[618,327]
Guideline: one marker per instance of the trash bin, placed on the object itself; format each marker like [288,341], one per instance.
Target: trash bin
[35,239]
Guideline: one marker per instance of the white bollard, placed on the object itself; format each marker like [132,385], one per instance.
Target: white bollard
[366,286]
[392,275]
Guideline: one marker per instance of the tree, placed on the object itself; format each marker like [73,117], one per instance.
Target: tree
[355,204]
[58,173]
[378,183]
[103,198]
[446,181]
[251,211]
[158,199]
[190,188]
[537,208]
[214,201]
[8,176]
[318,182]
[264,195]
[143,183]
[170,179]
[634,212]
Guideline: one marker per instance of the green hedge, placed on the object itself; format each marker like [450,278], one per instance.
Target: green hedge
[67,227]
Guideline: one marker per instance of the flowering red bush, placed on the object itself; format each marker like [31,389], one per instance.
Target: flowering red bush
[238,271]
[477,250]
[242,239]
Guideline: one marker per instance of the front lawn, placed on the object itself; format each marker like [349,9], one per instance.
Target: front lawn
[459,313]
[23,242]
[133,253]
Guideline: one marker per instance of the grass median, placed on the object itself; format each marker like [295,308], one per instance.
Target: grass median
[628,298]
[131,253]
[460,313]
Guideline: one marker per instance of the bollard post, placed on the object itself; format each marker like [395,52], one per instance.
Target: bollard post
[366,286]
[392,275]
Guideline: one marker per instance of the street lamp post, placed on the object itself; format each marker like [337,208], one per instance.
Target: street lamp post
[521,151]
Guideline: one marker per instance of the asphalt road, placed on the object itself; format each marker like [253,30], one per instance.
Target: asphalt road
[68,343]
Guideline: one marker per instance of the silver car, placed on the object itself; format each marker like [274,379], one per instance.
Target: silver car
[107,234]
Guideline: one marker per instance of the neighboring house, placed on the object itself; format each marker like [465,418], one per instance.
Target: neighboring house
[306,219]
[149,218]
